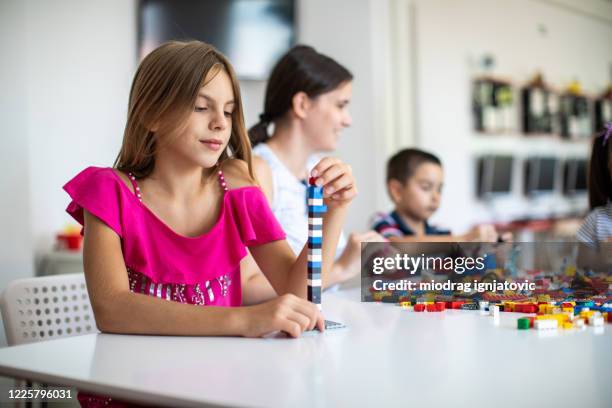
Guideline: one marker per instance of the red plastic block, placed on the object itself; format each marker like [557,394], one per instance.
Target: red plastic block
[440,306]
[526,308]
[456,305]
[419,307]
[312,181]
[431,308]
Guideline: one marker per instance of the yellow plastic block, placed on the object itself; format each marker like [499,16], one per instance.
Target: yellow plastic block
[568,325]
[405,304]
[377,295]
[543,298]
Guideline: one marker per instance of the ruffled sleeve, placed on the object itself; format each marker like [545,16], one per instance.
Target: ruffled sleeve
[254,218]
[98,191]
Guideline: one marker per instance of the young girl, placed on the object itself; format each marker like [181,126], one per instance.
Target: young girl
[307,98]
[596,228]
[166,228]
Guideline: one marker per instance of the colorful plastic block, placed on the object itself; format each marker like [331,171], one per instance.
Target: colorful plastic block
[522,323]
[431,307]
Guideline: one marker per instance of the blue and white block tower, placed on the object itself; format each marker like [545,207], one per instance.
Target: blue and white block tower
[316,209]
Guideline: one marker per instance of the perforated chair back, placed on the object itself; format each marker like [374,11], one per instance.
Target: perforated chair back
[45,308]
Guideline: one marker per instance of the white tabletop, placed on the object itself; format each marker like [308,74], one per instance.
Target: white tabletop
[386,357]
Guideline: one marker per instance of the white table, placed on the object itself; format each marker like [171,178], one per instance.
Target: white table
[387,357]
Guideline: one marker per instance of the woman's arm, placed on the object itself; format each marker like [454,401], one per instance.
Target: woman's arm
[331,171]
[276,259]
[285,272]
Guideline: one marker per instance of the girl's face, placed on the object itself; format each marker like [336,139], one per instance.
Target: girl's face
[419,196]
[327,116]
[209,126]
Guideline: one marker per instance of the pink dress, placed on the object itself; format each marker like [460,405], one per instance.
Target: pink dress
[202,270]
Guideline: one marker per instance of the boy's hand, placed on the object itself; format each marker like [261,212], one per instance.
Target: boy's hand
[349,263]
[482,233]
[336,178]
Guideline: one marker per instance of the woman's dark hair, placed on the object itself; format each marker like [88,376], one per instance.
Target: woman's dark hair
[301,69]
[600,180]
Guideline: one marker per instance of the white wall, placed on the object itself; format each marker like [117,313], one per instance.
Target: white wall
[81,58]
[453,33]
[16,246]
[65,75]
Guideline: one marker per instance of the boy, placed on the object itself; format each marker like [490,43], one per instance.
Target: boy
[414,183]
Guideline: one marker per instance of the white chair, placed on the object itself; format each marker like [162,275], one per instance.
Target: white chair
[45,308]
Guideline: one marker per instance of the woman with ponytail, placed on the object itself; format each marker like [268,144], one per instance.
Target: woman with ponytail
[306,109]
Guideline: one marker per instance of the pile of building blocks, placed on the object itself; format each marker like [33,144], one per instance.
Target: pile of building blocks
[420,305]
[565,315]
[545,313]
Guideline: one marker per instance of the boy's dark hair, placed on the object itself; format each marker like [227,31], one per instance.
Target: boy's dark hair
[402,165]
[301,69]
[600,167]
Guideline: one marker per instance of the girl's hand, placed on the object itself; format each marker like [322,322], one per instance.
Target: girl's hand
[288,313]
[336,178]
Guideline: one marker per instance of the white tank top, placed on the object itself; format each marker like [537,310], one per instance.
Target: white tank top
[289,203]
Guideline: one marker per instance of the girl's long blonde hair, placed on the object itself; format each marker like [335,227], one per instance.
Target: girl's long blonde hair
[162,96]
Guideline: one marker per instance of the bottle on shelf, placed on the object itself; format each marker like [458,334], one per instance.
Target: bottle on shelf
[539,106]
[603,110]
[493,105]
[575,113]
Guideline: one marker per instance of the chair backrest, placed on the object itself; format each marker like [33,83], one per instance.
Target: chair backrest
[45,308]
